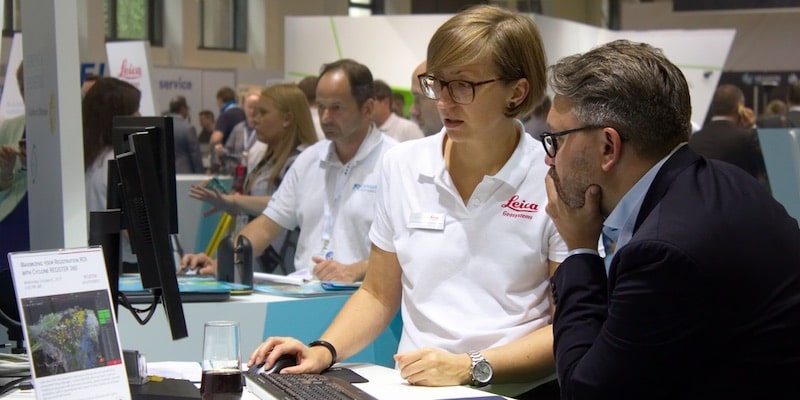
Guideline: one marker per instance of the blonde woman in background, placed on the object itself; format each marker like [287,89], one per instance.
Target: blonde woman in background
[283,121]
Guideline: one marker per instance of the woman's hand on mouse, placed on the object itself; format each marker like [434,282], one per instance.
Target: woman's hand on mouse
[309,360]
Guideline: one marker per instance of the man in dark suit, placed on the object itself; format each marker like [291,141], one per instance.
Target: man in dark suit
[702,297]
[187,148]
[725,138]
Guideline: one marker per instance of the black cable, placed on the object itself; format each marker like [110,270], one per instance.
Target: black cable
[14,384]
[7,320]
[150,310]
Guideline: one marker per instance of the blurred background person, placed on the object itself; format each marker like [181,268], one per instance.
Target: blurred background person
[725,136]
[791,115]
[240,141]
[108,97]
[230,114]
[206,120]
[774,114]
[309,87]
[423,110]
[388,122]
[282,120]
[536,123]
[188,159]
[14,223]
[398,104]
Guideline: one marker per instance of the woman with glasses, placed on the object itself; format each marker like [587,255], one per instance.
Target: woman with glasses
[461,244]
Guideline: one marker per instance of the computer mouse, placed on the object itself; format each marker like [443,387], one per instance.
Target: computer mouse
[285,360]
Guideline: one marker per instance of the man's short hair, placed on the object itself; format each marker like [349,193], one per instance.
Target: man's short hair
[727,99]
[382,90]
[309,87]
[399,98]
[359,76]
[631,87]
[206,113]
[177,104]
[226,94]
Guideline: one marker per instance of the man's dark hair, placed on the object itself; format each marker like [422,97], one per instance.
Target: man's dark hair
[226,94]
[309,87]
[206,113]
[382,90]
[726,101]
[177,104]
[359,76]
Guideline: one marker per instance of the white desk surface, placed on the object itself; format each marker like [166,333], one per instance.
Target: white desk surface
[384,383]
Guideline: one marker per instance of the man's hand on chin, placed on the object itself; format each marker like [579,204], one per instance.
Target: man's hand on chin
[579,227]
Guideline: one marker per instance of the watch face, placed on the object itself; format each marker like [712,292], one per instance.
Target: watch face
[482,372]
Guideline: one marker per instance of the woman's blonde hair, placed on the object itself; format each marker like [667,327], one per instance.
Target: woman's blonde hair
[509,39]
[291,101]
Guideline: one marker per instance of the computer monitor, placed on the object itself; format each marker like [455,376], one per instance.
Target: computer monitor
[162,138]
[145,163]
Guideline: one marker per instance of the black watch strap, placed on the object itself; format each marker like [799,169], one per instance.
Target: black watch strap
[328,346]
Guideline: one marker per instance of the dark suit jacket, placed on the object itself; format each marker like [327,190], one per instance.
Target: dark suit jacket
[722,140]
[702,303]
[188,159]
[790,120]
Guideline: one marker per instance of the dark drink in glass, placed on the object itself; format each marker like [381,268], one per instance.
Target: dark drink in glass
[221,385]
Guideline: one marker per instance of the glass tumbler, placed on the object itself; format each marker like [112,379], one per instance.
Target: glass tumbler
[222,374]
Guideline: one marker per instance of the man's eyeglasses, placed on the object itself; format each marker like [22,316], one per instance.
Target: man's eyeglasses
[462,92]
[550,139]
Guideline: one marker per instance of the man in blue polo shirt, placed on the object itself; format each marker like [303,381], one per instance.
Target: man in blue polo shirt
[230,114]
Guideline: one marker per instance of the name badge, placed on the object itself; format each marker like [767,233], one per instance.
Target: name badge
[425,220]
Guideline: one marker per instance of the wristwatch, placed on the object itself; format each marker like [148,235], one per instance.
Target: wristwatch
[481,370]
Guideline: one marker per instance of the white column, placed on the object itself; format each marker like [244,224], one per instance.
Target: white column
[56,194]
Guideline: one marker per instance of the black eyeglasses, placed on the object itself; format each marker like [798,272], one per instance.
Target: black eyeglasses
[462,92]
[550,139]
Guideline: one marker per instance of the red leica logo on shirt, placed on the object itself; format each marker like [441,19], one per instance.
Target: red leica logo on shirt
[129,71]
[514,203]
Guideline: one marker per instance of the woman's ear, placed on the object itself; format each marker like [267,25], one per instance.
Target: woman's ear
[518,95]
[287,119]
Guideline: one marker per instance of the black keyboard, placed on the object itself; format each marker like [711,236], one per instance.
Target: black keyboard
[303,387]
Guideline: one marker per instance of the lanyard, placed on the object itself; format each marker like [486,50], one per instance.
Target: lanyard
[250,137]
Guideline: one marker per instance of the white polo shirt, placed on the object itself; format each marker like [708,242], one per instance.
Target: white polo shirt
[309,188]
[474,276]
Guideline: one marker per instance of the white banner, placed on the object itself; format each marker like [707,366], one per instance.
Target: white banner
[130,61]
[171,82]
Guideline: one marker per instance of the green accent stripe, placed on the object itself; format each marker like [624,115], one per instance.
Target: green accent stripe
[336,38]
